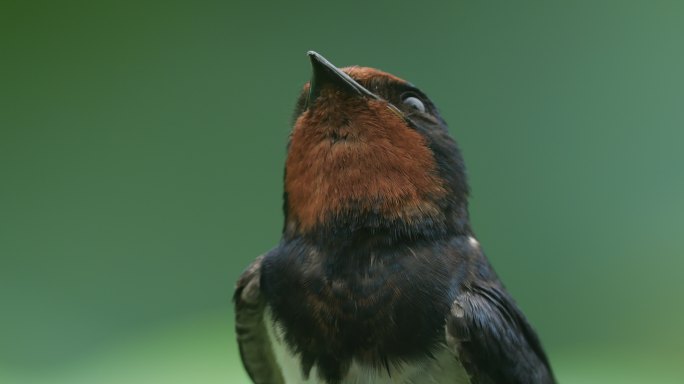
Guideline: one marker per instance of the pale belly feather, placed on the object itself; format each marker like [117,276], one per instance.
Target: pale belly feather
[443,369]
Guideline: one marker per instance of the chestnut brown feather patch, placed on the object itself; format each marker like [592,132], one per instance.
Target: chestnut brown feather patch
[354,154]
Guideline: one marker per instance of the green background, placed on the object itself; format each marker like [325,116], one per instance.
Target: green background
[142,147]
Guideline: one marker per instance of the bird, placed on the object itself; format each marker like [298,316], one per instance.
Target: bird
[378,276]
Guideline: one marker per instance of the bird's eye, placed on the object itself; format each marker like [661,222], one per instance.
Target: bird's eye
[414,103]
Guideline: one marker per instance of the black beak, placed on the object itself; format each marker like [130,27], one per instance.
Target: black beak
[325,74]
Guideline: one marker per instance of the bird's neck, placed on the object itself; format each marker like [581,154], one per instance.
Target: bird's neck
[371,229]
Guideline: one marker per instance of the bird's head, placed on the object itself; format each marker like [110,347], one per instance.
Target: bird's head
[370,156]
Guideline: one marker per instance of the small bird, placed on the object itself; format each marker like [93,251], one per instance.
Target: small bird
[378,277]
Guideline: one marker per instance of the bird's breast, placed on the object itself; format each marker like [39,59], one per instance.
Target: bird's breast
[376,310]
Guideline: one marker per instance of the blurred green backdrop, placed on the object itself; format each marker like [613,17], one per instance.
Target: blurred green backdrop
[142,146]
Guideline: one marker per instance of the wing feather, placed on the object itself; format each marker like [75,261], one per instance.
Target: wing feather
[252,335]
[493,340]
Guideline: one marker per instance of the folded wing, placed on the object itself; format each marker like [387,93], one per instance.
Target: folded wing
[493,340]
[252,335]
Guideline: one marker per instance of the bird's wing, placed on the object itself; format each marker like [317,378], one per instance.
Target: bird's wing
[252,335]
[493,340]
